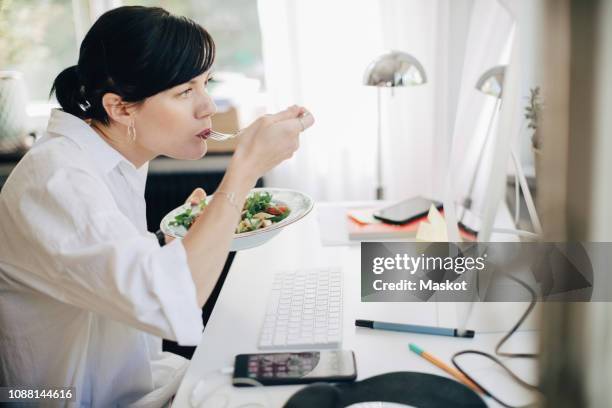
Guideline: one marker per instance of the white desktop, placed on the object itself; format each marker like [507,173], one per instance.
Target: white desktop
[236,323]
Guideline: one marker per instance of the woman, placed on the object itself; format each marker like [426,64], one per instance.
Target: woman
[86,293]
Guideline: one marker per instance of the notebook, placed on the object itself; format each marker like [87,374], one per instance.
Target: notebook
[361,225]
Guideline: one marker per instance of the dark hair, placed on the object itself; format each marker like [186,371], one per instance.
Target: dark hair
[134,52]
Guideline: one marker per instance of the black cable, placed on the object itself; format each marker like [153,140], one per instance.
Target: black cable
[515,377]
[518,324]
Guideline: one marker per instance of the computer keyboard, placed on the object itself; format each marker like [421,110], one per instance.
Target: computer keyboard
[304,310]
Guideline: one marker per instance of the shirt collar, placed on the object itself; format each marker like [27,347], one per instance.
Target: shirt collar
[81,133]
[104,155]
[77,130]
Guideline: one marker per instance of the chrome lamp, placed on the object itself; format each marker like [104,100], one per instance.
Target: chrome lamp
[390,70]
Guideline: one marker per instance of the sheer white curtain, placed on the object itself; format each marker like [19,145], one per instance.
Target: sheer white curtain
[420,120]
[315,54]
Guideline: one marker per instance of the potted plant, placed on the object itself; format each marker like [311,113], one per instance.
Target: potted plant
[533,112]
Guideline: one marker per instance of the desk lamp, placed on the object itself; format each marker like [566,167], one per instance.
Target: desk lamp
[492,83]
[390,70]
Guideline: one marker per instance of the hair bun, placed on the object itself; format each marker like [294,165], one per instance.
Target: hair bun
[70,92]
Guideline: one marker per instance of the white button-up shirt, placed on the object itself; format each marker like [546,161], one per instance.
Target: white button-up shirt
[86,293]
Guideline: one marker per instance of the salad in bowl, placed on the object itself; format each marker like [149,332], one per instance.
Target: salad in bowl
[264,213]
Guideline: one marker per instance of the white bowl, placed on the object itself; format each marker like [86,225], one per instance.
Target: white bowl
[300,204]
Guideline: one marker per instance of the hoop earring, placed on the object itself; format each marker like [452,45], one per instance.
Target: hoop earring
[131,131]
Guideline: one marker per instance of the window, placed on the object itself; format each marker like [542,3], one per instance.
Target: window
[37,38]
[40,38]
[233,24]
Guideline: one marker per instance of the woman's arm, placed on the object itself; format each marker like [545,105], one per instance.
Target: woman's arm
[70,241]
[267,142]
[208,241]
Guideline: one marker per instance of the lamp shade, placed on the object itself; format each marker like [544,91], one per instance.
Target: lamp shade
[492,81]
[395,68]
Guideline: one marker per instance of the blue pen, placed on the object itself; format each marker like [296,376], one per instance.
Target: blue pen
[412,328]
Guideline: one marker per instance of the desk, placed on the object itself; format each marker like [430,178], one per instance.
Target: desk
[235,322]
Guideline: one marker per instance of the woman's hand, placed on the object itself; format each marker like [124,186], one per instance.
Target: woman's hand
[270,140]
[263,145]
[196,196]
[194,199]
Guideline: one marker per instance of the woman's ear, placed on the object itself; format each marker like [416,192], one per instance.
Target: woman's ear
[117,109]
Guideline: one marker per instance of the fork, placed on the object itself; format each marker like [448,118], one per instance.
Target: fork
[219,137]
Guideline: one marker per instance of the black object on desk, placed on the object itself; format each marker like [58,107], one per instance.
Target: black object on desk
[405,387]
[406,211]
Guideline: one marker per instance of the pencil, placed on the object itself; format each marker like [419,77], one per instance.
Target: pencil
[455,373]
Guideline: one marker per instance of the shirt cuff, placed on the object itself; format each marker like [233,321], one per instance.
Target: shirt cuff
[176,291]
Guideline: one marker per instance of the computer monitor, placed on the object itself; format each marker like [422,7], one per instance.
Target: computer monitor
[508,127]
[484,119]
[486,128]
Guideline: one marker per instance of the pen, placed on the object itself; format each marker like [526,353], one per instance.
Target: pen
[455,373]
[412,328]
